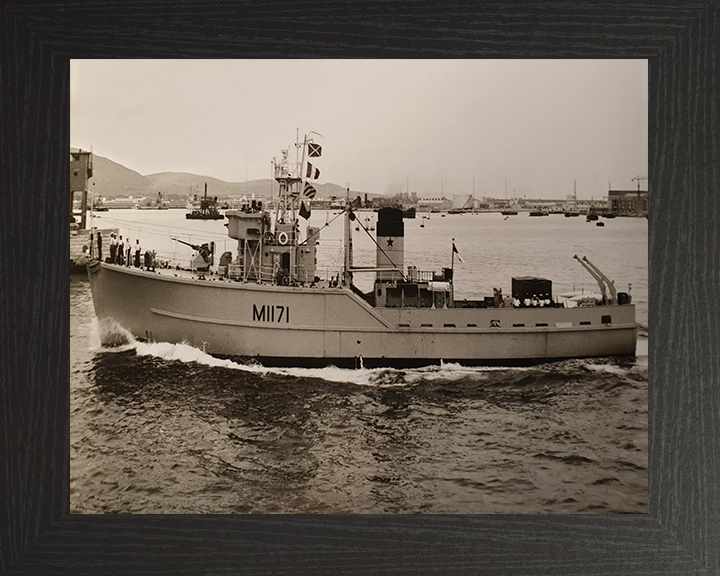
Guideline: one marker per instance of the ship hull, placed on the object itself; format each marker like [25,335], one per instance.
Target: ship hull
[302,326]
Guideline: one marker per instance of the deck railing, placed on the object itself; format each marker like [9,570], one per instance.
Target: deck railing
[267,275]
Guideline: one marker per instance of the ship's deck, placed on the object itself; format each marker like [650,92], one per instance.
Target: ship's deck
[211,275]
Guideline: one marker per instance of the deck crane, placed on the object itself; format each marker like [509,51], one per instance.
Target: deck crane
[600,278]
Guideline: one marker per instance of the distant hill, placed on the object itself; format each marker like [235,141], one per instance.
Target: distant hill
[183,183]
[111,180]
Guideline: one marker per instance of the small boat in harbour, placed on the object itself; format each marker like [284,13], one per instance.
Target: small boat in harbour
[267,302]
[208,209]
[98,205]
[150,204]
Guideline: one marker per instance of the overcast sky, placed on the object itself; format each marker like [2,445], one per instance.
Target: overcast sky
[432,125]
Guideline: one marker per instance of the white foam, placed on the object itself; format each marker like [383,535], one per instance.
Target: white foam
[185,353]
[610,368]
[390,377]
[110,335]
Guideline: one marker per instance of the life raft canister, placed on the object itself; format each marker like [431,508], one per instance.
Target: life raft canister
[283,238]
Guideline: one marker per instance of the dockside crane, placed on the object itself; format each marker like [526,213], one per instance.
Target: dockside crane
[638,178]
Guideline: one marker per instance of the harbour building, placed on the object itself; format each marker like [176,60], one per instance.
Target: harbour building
[628,202]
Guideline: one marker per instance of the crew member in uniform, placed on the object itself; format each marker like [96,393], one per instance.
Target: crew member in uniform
[120,251]
[99,245]
[137,253]
[128,252]
[113,248]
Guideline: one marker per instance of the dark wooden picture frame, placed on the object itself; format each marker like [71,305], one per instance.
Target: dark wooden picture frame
[680,534]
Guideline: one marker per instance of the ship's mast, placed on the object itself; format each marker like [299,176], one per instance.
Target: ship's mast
[292,181]
[303,171]
[287,179]
[347,241]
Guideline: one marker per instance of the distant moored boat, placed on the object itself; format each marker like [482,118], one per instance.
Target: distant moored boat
[208,209]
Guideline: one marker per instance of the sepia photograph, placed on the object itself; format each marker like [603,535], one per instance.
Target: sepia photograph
[359,286]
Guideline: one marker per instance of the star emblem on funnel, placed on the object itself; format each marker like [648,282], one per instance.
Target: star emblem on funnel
[390,241]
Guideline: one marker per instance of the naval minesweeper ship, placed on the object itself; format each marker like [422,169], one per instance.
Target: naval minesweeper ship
[266,303]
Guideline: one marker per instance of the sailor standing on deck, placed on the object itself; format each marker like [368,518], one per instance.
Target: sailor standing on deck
[99,245]
[128,252]
[120,251]
[113,248]
[137,253]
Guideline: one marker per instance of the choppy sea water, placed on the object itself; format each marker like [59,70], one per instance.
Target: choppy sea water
[165,428]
